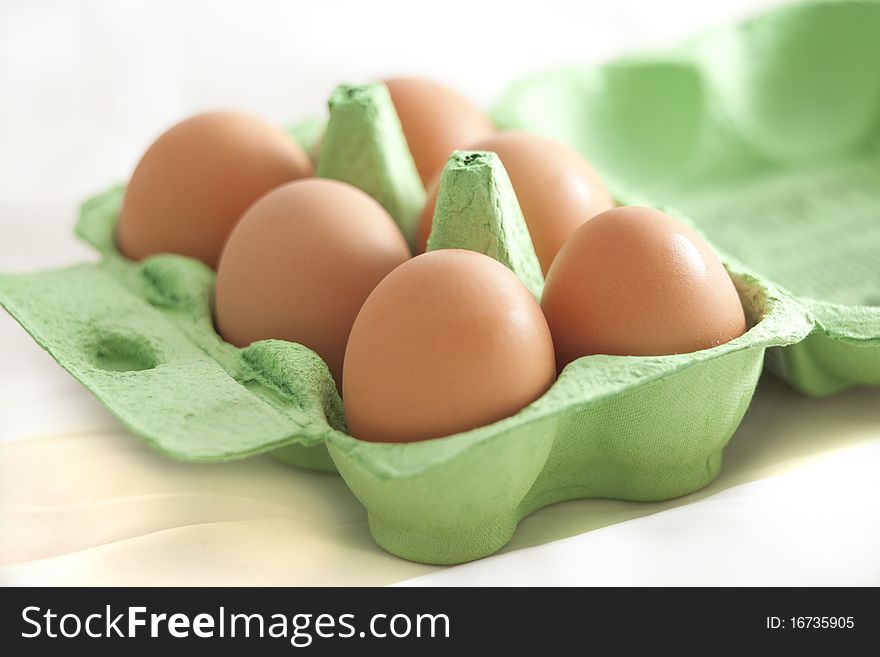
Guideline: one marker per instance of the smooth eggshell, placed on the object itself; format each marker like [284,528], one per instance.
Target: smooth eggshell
[301,262]
[195,181]
[634,281]
[557,189]
[435,121]
[449,341]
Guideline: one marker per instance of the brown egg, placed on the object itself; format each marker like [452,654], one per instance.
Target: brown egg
[301,262]
[436,121]
[315,151]
[557,189]
[196,180]
[634,281]
[448,341]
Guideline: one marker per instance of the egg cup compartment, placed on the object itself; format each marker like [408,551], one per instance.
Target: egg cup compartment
[765,135]
[665,131]
[629,428]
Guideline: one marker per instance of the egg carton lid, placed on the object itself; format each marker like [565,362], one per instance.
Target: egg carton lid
[765,137]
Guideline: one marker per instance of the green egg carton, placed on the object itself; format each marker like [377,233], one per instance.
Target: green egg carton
[141,337]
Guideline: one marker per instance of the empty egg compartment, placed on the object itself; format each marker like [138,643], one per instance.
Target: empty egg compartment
[767,137]
[140,336]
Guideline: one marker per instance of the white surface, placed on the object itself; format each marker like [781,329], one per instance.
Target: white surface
[818,525]
[85,86]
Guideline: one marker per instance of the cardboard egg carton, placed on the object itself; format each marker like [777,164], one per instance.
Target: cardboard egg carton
[755,146]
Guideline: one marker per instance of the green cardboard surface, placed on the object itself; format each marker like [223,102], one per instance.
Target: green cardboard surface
[477,210]
[140,335]
[364,146]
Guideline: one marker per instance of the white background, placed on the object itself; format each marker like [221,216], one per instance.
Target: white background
[85,87]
